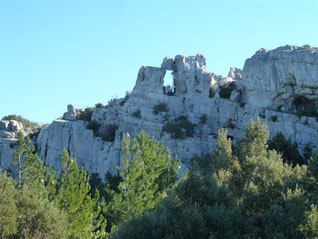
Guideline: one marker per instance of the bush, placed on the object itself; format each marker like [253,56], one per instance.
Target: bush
[203,119]
[25,122]
[85,115]
[288,149]
[225,92]
[93,125]
[180,128]
[262,115]
[137,114]
[108,133]
[99,105]
[307,46]
[162,107]
[273,118]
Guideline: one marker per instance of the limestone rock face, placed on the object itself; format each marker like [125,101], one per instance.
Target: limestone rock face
[269,79]
[90,152]
[279,77]
[70,114]
[9,130]
[190,76]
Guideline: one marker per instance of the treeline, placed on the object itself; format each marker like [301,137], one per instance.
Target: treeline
[45,204]
[241,190]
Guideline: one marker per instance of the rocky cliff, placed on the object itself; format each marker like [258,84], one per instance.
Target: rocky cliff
[279,86]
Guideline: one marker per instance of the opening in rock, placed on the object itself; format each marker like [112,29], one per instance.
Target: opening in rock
[305,106]
[168,83]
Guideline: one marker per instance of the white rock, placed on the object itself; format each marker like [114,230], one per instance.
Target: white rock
[15,126]
[168,64]
[70,114]
[278,77]
[235,73]
[7,134]
[235,96]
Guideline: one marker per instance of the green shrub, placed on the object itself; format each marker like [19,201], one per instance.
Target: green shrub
[86,114]
[162,107]
[262,115]
[137,114]
[203,119]
[273,118]
[25,122]
[99,105]
[307,46]
[108,133]
[93,125]
[180,128]
[242,104]
[225,92]
[305,107]
[288,149]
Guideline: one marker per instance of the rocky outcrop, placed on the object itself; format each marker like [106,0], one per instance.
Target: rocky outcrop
[200,104]
[276,79]
[9,130]
[70,114]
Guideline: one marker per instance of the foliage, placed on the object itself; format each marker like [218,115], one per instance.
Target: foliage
[108,133]
[25,122]
[73,196]
[93,125]
[162,107]
[242,104]
[307,46]
[273,118]
[99,105]
[50,206]
[225,92]
[245,191]
[86,114]
[287,148]
[145,180]
[24,214]
[137,114]
[241,190]
[180,128]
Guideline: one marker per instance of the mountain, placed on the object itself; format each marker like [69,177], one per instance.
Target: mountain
[279,86]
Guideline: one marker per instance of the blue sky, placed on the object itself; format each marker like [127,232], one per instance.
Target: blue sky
[56,52]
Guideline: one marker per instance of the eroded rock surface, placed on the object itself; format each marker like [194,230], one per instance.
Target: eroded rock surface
[277,78]
[268,87]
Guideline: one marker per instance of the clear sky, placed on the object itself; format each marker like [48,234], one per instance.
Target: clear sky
[56,52]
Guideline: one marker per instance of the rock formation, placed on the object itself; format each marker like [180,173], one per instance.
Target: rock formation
[273,85]
[70,114]
[276,79]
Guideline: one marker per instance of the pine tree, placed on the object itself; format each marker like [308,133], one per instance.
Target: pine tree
[73,196]
[31,169]
[8,208]
[146,179]
[21,150]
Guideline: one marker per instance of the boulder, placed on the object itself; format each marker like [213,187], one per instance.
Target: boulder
[235,96]
[15,126]
[70,114]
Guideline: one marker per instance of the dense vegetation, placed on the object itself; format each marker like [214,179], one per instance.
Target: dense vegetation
[242,190]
